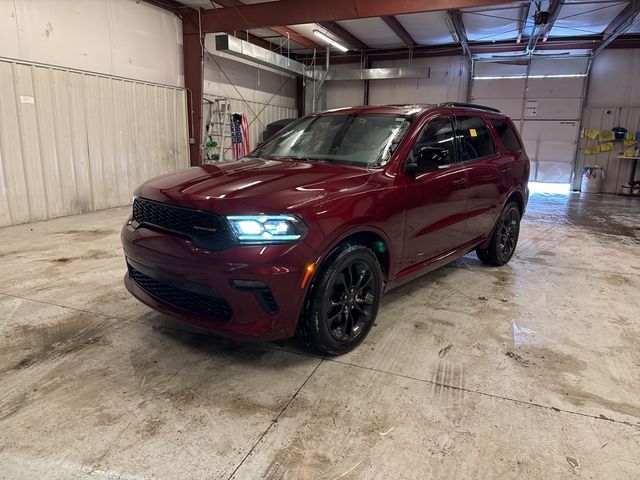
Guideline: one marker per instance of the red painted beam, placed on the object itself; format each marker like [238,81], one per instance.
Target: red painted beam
[393,23]
[293,12]
[284,31]
[193,82]
[345,35]
[574,43]
[297,37]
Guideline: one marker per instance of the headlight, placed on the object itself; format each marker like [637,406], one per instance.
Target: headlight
[267,228]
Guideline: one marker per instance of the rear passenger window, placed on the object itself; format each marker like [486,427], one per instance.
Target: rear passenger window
[508,137]
[474,138]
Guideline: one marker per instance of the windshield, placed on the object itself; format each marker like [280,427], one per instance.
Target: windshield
[357,139]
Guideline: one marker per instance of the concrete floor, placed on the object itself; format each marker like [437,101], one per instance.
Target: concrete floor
[527,371]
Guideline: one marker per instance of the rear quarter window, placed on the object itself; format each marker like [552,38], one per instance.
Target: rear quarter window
[474,138]
[507,134]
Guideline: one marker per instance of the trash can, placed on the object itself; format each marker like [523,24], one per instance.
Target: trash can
[592,179]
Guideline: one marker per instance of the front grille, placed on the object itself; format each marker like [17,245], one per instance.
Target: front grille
[208,305]
[206,229]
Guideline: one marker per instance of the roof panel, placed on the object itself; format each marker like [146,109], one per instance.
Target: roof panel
[492,25]
[372,31]
[579,19]
[428,28]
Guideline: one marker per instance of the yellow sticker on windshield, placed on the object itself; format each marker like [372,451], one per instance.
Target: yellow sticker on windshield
[472,132]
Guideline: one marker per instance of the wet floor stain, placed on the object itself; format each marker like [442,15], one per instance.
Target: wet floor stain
[89,255]
[30,344]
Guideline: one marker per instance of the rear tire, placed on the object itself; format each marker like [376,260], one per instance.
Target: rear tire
[343,302]
[504,239]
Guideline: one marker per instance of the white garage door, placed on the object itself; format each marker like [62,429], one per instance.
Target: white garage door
[545,106]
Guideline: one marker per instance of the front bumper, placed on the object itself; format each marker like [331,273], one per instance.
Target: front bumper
[174,276]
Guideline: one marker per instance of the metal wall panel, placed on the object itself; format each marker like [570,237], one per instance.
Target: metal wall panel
[73,142]
[260,115]
[616,170]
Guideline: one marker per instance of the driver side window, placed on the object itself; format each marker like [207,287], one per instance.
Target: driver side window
[437,133]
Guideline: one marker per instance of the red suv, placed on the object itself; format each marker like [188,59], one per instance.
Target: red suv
[306,233]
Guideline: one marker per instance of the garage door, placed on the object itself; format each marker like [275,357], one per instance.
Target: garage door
[545,105]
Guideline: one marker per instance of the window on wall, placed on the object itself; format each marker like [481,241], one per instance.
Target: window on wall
[474,138]
[507,135]
[437,133]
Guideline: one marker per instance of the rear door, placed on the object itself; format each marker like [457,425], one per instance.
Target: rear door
[436,200]
[485,167]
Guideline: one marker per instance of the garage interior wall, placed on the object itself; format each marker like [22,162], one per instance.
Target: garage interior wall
[445,80]
[263,94]
[613,100]
[91,104]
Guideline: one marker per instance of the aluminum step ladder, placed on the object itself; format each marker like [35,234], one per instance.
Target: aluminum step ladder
[217,146]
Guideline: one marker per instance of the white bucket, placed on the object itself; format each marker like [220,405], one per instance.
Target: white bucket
[592,179]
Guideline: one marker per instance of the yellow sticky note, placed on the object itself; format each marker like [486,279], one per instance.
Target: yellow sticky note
[472,132]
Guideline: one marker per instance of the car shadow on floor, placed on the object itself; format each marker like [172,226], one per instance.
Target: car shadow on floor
[192,337]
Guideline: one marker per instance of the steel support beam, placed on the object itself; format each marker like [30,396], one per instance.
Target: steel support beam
[293,12]
[284,31]
[297,37]
[632,17]
[193,79]
[340,32]
[627,13]
[522,25]
[574,43]
[393,23]
[458,32]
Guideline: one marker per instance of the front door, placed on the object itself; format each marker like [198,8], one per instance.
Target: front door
[437,200]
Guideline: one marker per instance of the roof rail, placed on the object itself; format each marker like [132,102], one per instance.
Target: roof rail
[469,105]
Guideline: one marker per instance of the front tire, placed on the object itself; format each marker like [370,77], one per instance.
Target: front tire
[344,301]
[504,238]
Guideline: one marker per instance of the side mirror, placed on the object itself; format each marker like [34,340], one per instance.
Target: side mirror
[428,159]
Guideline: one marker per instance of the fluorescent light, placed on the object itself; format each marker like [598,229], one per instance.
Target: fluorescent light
[532,76]
[330,40]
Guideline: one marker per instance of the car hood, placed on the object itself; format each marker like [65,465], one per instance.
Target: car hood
[255,185]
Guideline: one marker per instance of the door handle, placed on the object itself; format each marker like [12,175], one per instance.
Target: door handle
[460,182]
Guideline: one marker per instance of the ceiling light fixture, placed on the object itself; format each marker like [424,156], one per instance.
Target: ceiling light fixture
[330,40]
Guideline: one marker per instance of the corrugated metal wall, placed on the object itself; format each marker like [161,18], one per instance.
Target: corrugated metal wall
[616,170]
[73,142]
[266,114]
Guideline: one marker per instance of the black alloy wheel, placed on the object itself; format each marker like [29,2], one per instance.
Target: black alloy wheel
[343,301]
[504,238]
[349,300]
[508,235]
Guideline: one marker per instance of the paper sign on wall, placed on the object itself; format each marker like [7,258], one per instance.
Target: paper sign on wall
[26,99]
[531,108]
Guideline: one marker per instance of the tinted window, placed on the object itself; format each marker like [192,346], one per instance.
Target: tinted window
[437,133]
[508,137]
[474,137]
